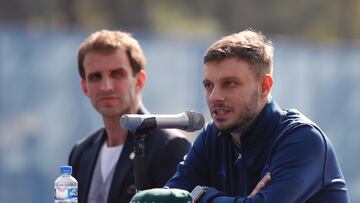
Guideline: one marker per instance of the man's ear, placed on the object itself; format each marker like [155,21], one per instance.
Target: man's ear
[141,78]
[266,85]
[84,87]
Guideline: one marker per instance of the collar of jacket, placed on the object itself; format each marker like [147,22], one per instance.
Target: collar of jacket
[263,127]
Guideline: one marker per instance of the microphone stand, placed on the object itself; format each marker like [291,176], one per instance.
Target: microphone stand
[139,148]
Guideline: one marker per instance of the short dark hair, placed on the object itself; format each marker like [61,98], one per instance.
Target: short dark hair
[109,41]
[248,45]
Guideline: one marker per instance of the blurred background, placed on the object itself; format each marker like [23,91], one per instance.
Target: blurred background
[43,111]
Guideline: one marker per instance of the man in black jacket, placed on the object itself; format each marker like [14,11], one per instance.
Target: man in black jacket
[111,65]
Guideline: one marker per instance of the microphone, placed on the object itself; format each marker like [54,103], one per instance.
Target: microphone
[189,121]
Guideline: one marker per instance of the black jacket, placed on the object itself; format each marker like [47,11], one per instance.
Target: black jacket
[164,149]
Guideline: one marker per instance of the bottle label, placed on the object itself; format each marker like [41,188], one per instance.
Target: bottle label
[64,193]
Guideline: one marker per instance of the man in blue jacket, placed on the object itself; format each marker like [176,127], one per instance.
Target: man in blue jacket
[252,140]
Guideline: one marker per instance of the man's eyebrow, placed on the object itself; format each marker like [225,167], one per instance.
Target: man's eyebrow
[230,78]
[120,68]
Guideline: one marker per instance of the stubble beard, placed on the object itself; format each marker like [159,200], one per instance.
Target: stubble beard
[245,118]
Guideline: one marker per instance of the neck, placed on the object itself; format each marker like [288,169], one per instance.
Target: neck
[115,134]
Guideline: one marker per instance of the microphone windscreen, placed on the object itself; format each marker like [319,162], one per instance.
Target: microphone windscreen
[196,121]
[130,122]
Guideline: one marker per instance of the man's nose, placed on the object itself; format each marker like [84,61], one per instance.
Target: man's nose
[216,94]
[107,84]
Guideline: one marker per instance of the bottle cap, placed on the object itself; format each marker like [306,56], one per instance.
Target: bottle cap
[65,169]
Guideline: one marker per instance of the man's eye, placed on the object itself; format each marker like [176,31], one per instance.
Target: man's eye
[118,74]
[229,84]
[94,77]
[207,86]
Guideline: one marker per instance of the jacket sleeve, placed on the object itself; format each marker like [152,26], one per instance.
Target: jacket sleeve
[72,161]
[194,169]
[297,170]
[71,157]
[168,158]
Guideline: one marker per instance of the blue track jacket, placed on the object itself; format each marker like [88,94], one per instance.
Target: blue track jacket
[300,158]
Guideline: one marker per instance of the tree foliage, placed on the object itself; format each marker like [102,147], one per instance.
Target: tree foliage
[314,19]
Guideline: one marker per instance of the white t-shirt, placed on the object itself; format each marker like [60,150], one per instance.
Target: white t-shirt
[109,158]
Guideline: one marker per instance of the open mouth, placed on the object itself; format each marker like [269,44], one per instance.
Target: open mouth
[220,113]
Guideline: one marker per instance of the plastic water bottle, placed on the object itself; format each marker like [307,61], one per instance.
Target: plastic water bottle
[66,186]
